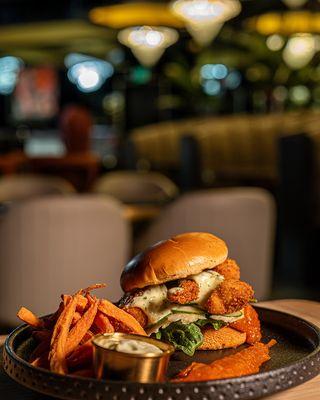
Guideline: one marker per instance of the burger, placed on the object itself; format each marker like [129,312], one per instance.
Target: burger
[187,291]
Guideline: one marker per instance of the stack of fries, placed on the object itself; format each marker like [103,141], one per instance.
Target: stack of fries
[64,338]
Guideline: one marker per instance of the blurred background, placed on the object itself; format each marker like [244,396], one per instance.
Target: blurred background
[123,123]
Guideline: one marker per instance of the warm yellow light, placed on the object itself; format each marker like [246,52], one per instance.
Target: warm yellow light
[287,23]
[204,18]
[299,50]
[148,43]
[135,14]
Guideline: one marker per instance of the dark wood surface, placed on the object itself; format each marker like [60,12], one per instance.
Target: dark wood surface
[9,390]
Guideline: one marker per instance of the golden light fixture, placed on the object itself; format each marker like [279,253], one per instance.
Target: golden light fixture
[205,18]
[287,23]
[135,14]
[148,43]
[300,27]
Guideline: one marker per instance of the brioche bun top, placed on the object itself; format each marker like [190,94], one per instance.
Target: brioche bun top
[176,258]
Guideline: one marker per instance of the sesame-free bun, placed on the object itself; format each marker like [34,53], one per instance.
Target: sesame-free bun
[176,258]
[223,338]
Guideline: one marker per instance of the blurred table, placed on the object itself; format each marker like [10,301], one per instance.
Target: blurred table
[310,390]
[140,212]
[81,169]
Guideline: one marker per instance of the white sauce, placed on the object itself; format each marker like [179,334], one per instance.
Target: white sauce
[129,346]
[207,282]
[153,301]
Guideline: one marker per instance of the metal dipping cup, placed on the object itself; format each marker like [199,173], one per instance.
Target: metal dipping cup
[119,366]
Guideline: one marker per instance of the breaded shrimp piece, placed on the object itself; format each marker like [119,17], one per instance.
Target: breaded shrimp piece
[186,292]
[138,314]
[230,296]
[250,325]
[245,362]
[229,269]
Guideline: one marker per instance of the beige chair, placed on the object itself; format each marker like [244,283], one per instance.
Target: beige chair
[21,187]
[137,187]
[243,217]
[55,245]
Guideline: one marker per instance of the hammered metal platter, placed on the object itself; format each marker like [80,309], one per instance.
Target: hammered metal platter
[294,360]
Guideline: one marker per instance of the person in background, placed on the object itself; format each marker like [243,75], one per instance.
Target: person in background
[79,166]
[75,125]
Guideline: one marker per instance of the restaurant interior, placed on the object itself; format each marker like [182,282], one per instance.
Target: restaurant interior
[125,123]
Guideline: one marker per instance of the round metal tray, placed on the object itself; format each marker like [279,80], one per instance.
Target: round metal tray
[294,360]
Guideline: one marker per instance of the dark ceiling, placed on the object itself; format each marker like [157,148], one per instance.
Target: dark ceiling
[19,11]
[38,30]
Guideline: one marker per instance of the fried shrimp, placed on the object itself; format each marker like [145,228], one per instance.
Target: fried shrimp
[186,292]
[230,296]
[138,314]
[229,269]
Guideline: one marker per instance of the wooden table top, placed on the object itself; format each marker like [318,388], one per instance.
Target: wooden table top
[310,390]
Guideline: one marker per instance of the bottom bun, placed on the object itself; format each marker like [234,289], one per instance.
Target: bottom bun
[223,338]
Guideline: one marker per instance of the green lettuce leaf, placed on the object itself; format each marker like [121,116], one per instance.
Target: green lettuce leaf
[214,323]
[186,337]
[158,335]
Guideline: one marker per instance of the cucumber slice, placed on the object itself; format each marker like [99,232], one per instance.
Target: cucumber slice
[187,310]
[228,317]
[163,319]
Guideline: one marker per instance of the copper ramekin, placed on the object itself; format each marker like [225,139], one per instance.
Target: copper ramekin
[119,366]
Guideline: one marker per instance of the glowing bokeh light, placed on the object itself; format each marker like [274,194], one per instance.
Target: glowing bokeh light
[233,80]
[299,50]
[211,87]
[87,73]
[299,94]
[148,43]
[9,71]
[205,18]
[210,71]
[275,42]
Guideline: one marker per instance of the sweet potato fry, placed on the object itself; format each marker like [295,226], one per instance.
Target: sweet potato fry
[81,327]
[245,362]
[42,361]
[88,336]
[29,318]
[93,287]
[64,338]
[66,298]
[81,356]
[110,310]
[76,317]
[57,353]
[102,323]
[82,303]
